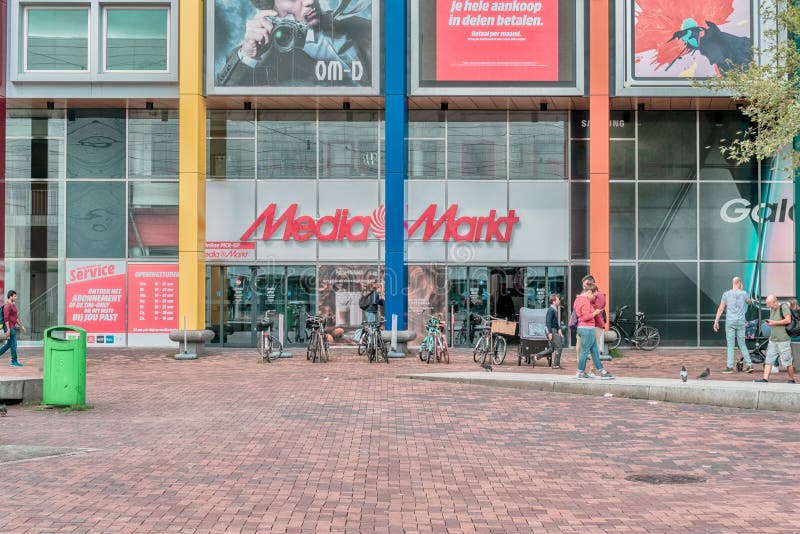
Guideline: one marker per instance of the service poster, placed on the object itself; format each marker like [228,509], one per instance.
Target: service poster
[152,298]
[684,39]
[95,294]
[340,289]
[484,40]
[318,47]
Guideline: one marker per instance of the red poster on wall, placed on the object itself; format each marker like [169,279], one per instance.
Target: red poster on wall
[152,298]
[96,300]
[490,41]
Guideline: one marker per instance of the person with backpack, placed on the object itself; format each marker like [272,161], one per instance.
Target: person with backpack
[370,302]
[11,324]
[734,303]
[779,345]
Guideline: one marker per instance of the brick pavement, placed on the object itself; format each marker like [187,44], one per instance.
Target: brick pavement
[225,444]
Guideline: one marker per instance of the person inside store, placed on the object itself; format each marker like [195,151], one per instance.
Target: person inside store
[286,41]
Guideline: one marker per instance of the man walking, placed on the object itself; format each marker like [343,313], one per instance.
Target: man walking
[554,333]
[11,322]
[779,345]
[734,302]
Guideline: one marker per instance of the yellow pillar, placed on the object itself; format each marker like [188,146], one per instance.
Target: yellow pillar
[192,170]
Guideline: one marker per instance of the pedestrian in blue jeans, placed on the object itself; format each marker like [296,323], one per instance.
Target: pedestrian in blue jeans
[586,313]
[734,302]
[10,324]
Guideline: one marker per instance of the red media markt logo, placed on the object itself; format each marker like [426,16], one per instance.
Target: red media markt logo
[342,226]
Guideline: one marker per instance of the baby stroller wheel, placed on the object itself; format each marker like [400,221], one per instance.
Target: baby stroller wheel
[740,365]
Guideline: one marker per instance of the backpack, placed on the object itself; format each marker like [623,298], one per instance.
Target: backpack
[365,301]
[793,328]
[573,320]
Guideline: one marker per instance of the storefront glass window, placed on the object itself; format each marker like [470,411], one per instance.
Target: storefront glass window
[231,158]
[34,158]
[476,145]
[622,219]
[719,128]
[668,297]
[57,39]
[287,144]
[537,145]
[40,299]
[96,143]
[35,123]
[426,144]
[579,159]
[33,214]
[667,145]
[349,144]
[153,144]
[153,219]
[579,220]
[622,165]
[667,221]
[96,219]
[136,39]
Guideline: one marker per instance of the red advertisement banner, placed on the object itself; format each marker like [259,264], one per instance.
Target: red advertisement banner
[95,293]
[484,40]
[152,298]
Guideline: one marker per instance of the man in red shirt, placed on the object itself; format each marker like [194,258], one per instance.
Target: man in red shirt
[11,323]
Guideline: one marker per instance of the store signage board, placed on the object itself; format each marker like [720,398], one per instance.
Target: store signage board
[152,298]
[230,250]
[431,225]
[496,41]
[95,293]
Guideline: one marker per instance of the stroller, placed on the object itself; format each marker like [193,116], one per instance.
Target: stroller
[756,336]
[532,336]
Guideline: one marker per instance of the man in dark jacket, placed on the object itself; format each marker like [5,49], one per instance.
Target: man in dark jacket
[555,336]
[375,302]
[311,48]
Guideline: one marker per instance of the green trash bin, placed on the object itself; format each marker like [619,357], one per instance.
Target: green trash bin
[64,372]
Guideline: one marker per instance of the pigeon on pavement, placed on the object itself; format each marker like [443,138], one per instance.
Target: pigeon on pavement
[684,373]
[706,372]
[3,411]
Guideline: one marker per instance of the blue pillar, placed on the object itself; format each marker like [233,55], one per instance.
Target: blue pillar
[394,42]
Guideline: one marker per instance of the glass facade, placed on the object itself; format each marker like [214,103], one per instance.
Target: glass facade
[136,39]
[684,220]
[85,184]
[56,39]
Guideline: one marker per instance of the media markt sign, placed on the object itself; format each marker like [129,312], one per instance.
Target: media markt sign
[344,226]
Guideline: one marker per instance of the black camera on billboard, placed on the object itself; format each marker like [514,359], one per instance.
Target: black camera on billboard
[287,33]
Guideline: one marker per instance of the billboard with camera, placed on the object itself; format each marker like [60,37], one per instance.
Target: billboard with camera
[520,47]
[293,47]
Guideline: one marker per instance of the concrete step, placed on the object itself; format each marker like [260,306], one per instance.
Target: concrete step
[20,389]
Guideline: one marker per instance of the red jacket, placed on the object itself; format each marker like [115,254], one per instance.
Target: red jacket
[599,303]
[585,311]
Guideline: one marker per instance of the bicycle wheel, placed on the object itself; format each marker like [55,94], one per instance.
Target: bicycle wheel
[481,346]
[445,351]
[362,343]
[262,349]
[424,349]
[274,346]
[499,350]
[384,351]
[646,337]
[324,342]
[614,344]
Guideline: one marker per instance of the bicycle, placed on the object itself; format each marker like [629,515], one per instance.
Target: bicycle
[467,332]
[434,344]
[644,336]
[268,345]
[489,343]
[375,347]
[317,350]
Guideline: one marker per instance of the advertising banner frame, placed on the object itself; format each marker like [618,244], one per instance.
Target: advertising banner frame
[624,57]
[499,88]
[374,89]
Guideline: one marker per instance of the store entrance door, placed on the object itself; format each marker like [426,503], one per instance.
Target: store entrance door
[237,296]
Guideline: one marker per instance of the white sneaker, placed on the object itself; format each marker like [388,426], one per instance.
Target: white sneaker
[590,374]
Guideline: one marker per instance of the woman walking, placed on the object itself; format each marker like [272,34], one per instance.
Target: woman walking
[587,314]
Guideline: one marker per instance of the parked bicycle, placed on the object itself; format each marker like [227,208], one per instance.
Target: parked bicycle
[434,345]
[466,335]
[490,346]
[374,345]
[317,350]
[634,331]
[269,347]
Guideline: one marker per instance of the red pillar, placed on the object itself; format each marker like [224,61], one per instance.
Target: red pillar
[599,113]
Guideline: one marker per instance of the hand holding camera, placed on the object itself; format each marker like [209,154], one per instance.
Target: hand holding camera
[266,28]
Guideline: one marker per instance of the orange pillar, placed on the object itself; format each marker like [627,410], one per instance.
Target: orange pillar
[599,113]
